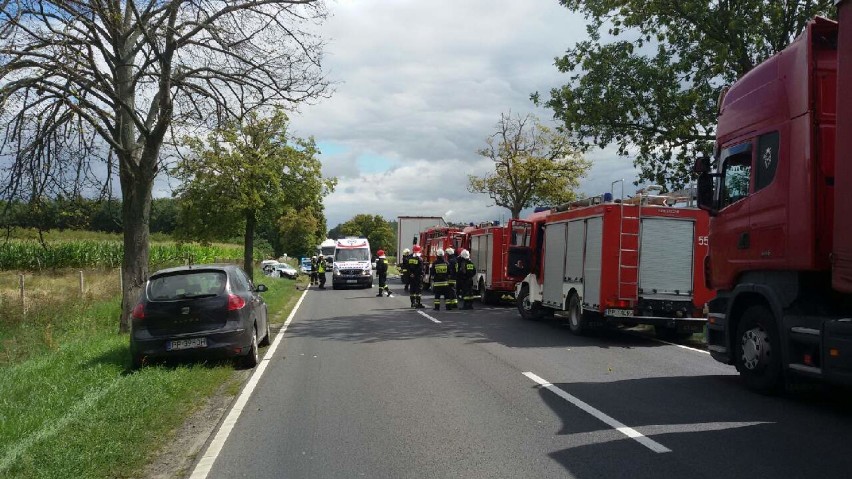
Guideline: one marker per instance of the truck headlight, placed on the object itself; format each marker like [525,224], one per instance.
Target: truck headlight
[336,272]
[366,272]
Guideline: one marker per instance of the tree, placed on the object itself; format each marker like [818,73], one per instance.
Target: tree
[299,231]
[373,227]
[84,82]
[246,172]
[533,164]
[651,87]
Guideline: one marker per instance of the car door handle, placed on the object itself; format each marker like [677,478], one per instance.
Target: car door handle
[744,242]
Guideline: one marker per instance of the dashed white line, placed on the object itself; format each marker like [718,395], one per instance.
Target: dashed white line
[421,313]
[205,464]
[612,422]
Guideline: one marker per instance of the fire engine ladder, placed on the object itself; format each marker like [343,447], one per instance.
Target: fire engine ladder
[628,249]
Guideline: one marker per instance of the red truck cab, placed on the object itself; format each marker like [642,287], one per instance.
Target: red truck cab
[778,231]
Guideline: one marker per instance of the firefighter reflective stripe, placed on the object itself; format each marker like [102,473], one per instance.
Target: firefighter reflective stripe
[470,267]
[441,268]
[440,283]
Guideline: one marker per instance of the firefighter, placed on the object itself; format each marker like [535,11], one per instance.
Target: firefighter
[439,271]
[321,272]
[452,264]
[382,273]
[467,270]
[403,267]
[415,277]
[314,276]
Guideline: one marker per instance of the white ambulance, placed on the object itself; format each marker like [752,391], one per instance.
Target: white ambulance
[352,263]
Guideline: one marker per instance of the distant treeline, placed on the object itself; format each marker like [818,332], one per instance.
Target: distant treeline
[83,214]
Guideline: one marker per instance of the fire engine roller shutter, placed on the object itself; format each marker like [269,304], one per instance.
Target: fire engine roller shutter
[489,258]
[665,257]
[554,264]
[574,255]
[592,264]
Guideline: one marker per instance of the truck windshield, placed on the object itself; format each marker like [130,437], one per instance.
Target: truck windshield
[521,233]
[356,254]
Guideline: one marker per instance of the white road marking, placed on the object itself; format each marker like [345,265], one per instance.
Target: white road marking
[205,464]
[612,422]
[421,313]
[672,344]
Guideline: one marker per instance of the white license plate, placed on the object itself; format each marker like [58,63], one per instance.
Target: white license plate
[351,281]
[619,313]
[193,343]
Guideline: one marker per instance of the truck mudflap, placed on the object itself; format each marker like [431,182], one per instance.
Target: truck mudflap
[837,351]
[717,334]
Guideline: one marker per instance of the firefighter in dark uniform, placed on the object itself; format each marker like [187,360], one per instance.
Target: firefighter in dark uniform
[440,273]
[403,267]
[314,275]
[467,270]
[415,277]
[453,264]
[382,273]
[321,272]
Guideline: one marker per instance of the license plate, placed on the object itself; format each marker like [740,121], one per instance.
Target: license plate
[692,327]
[179,344]
[619,313]
[351,281]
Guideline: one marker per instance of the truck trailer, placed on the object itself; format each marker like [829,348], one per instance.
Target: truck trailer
[601,262]
[408,230]
[778,190]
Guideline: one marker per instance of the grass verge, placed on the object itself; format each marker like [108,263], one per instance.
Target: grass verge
[74,408]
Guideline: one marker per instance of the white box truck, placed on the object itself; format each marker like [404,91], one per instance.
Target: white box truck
[408,229]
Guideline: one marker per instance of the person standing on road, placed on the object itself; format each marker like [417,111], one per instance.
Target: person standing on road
[415,277]
[382,273]
[467,270]
[440,273]
[452,265]
[403,267]
[321,273]
[313,270]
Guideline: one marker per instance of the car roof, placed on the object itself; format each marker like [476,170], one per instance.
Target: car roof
[193,267]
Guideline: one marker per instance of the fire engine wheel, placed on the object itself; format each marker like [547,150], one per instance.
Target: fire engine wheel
[487,297]
[577,324]
[528,309]
[758,350]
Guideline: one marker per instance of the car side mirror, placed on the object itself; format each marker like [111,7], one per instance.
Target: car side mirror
[261,288]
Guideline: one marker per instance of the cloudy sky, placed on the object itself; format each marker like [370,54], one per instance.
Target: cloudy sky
[420,85]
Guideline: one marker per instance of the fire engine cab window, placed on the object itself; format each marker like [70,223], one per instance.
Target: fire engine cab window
[736,176]
[767,160]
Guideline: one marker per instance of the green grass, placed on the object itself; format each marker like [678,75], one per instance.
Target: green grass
[72,407]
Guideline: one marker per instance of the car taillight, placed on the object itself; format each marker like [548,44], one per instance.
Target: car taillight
[139,311]
[235,302]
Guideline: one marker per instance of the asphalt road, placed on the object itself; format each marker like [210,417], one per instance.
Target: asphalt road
[363,386]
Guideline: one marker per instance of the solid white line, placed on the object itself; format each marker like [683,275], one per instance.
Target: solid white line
[672,344]
[421,313]
[612,422]
[206,463]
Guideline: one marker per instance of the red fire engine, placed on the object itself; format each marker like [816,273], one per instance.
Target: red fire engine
[780,233]
[499,264]
[608,262]
[433,239]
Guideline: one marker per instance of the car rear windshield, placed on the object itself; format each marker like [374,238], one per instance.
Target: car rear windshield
[189,284]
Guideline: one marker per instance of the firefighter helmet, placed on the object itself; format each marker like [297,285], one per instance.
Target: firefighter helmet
[439,253]
[380,253]
[406,251]
[416,249]
[465,254]
[450,251]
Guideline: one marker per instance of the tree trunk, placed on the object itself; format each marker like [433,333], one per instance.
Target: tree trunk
[248,252]
[516,212]
[135,213]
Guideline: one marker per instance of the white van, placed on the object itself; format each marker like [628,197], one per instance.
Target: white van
[352,263]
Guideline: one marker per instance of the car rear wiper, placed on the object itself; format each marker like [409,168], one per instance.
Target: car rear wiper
[196,296]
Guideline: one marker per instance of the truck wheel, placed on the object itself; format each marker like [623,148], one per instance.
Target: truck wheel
[577,324]
[758,350]
[528,309]
[487,297]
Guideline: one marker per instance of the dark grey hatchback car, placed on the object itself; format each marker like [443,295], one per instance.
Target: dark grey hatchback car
[199,311]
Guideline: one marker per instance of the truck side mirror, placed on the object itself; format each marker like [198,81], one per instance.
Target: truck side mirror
[705,193]
[701,165]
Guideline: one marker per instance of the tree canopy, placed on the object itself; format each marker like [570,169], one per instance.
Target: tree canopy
[251,171]
[373,227]
[533,165]
[648,78]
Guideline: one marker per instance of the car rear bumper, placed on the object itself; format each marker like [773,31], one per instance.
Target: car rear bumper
[220,344]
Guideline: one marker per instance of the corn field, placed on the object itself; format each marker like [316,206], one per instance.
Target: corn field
[32,256]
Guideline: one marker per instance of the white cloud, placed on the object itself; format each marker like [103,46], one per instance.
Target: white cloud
[422,85]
